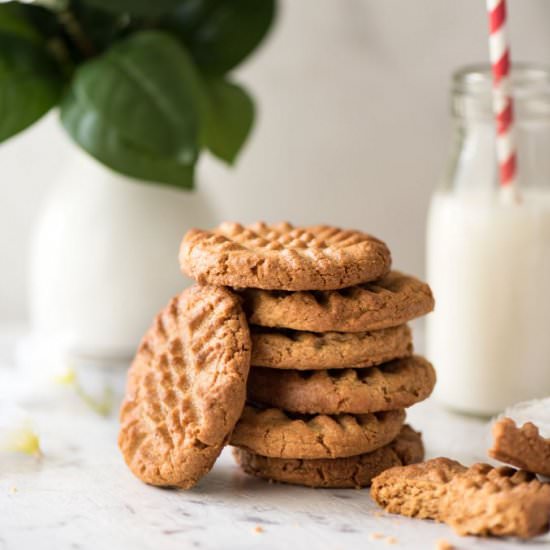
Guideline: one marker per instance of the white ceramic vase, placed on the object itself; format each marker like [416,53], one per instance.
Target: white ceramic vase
[104,258]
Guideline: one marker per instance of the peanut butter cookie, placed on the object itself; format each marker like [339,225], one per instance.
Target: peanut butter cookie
[522,447]
[415,490]
[186,388]
[353,471]
[288,349]
[501,502]
[283,257]
[394,385]
[393,300]
[480,500]
[272,432]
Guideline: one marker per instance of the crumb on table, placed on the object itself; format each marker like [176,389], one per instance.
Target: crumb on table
[443,544]
[376,536]
[258,529]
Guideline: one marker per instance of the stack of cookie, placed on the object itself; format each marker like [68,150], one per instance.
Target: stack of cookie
[332,364]
[333,369]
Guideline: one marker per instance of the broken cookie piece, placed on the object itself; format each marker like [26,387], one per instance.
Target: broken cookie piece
[496,501]
[480,500]
[522,447]
[415,490]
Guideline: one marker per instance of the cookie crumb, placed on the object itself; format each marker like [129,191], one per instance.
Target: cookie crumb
[13,490]
[258,529]
[443,544]
[391,540]
[376,536]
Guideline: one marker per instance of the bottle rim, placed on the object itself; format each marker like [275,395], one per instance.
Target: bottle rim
[479,78]
[471,87]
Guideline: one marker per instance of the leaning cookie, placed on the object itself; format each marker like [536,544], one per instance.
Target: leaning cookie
[186,388]
[274,433]
[349,472]
[283,257]
[288,349]
[388,302]
[394,385]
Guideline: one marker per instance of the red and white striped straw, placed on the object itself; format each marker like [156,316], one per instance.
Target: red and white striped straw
[503,104]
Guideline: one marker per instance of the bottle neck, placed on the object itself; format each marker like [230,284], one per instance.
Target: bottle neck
[473,164]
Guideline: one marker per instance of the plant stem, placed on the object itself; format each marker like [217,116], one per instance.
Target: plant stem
[58,49]
[76,34]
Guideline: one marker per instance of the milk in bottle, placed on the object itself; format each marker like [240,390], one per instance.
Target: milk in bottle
[488,259]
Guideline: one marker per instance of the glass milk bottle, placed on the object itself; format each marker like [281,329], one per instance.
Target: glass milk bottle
[488,259]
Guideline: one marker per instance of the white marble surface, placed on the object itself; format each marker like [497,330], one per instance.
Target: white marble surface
[79,495]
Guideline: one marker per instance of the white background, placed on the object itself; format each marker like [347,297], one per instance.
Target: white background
[353,126]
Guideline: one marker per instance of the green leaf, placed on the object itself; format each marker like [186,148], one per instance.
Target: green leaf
[30,84]
[221,33]
[137,108]
[13,22]
[101,140]
[147,89]
[229,118]
[136,7]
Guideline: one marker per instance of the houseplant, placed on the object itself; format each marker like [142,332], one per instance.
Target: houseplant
[142,85]
[143,88]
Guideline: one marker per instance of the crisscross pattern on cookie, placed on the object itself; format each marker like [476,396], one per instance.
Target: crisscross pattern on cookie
[480,500]
[186,387]
[394,385]
[280,434]
[288,349]
[497,501]
[282,256]
[285,236]
[393,300]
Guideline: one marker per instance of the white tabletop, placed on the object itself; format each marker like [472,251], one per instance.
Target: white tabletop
[80,495]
